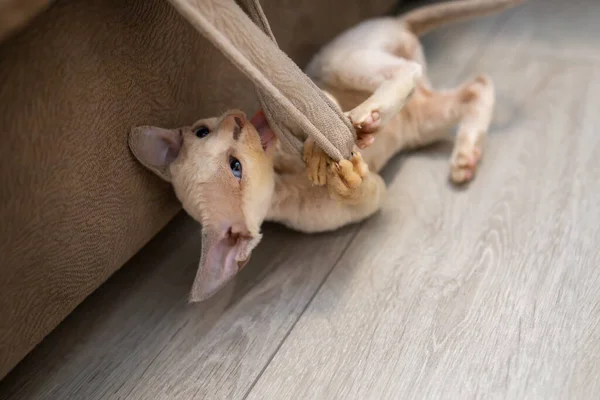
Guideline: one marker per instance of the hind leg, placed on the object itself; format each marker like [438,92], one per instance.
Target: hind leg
[470,107]
[472,129]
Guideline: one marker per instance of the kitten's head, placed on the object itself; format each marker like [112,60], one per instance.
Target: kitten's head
[222,172]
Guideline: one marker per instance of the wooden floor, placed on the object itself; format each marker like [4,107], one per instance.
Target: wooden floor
[488,292]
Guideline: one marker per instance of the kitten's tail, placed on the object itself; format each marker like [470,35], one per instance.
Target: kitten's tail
[427,18]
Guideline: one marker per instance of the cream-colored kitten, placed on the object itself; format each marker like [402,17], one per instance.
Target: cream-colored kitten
[230,174]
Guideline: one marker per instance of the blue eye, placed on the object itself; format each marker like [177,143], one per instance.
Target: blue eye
[202,131]
[236,167]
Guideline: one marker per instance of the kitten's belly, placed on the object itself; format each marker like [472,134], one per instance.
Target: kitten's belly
[388,142]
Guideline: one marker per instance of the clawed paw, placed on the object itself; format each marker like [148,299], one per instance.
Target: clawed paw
[345,178]
[316,161]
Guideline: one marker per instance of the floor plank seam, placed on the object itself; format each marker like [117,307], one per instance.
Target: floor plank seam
[306,306]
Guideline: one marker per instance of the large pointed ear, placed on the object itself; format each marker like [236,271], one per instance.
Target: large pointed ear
[224,254]
[156,148]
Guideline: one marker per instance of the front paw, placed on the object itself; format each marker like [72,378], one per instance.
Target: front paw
[316,161]
[344,179]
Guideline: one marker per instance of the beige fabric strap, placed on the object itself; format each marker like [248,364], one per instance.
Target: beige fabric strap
[292,103]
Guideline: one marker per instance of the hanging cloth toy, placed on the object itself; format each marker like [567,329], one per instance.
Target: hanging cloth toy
[292,103]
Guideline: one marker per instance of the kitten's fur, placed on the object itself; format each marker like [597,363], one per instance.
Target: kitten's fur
[377,71]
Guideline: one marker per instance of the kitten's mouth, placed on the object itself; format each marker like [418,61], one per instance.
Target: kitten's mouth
[266,134]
